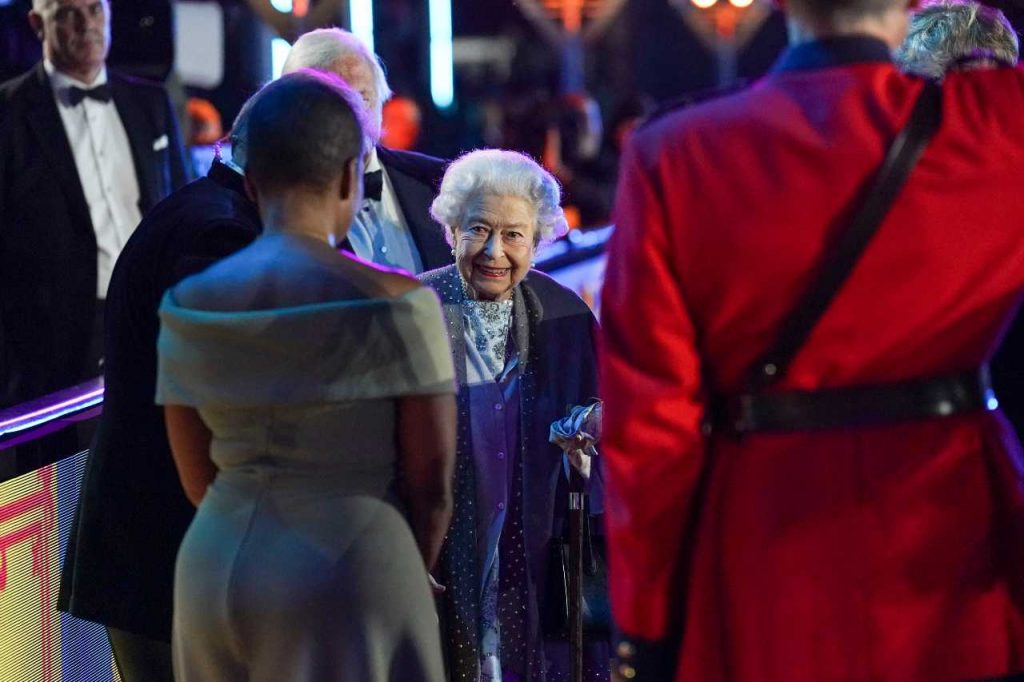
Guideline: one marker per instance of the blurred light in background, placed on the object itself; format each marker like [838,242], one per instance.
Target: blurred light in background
[199,47]
[279,48]
[360,16]
[442,77]
[741,3]
[704,4]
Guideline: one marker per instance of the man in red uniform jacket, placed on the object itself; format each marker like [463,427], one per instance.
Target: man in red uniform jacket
[861,553]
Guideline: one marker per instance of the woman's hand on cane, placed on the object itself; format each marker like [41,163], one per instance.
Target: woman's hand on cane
[436,587]
[581,460]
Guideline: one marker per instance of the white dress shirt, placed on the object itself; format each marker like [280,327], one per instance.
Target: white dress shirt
[379,232]
[103,158]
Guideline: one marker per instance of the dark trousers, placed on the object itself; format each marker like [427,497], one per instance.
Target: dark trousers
[140,659]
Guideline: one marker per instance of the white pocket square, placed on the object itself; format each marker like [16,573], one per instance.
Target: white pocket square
[160,143]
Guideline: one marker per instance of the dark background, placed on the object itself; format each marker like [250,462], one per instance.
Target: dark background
[648,50]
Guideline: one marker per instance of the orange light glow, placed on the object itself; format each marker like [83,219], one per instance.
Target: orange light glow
[571,13]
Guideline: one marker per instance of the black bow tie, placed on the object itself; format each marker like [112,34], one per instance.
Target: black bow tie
[100,93]
[373,183]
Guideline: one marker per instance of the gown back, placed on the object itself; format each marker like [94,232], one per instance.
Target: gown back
[299,565]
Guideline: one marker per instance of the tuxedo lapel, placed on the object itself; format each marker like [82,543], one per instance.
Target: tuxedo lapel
[414,197]
[232,180]
[46,125]
[140,129]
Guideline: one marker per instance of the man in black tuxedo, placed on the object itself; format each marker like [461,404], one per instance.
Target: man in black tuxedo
[132,514]
[393,227]
[84,153]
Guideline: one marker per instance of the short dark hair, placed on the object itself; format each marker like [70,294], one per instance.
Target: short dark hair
[302,130]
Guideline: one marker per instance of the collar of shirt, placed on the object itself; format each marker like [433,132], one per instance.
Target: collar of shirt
[230,163]
[832,52]
[372,162]
[60,81]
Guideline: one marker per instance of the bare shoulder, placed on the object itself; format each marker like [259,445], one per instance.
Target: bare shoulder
[389,283]
[196,292]
[377,281]
[398,283]
[228,284]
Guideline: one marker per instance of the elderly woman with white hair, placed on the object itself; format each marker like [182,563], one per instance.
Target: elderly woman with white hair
[524,351]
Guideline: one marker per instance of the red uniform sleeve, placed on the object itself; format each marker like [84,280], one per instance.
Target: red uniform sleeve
[650,374]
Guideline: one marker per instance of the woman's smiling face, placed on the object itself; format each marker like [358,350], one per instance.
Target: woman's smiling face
[495,244]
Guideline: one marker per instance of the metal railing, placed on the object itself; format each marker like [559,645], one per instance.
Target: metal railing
[37,418]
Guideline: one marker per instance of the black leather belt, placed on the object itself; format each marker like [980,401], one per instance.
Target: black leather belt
[876,405]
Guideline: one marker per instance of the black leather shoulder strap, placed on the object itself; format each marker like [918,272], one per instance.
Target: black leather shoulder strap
[850,244]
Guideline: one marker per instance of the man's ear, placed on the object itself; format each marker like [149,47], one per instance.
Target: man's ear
[350,179]
[35,20]
[250,190]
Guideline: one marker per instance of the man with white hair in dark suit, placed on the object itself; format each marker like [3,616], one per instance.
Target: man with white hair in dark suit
[394,227]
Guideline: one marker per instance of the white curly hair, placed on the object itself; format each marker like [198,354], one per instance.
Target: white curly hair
[500,172]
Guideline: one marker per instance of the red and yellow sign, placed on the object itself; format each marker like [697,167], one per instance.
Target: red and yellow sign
[37,643]
[29,576]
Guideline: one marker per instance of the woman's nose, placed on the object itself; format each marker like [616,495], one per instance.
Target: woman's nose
[493,247]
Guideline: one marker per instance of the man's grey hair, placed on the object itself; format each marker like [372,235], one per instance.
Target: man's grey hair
[323,48]
[42,6]
[943,33]
[497,172]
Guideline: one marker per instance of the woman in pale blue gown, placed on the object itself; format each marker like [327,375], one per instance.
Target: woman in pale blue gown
[308,399]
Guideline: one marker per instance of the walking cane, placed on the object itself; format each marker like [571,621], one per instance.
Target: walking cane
[577,509]
[577,433]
